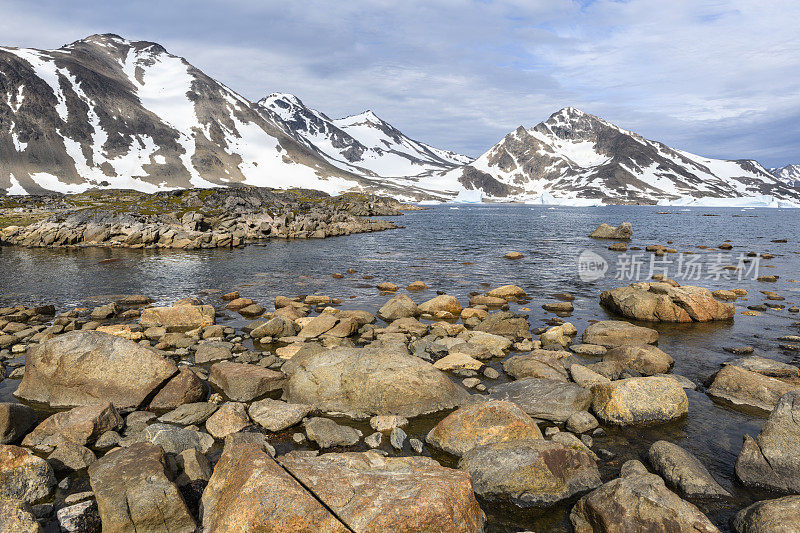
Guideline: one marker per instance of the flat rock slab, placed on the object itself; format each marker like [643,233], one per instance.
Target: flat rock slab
[371,492]
[544,398]
[276,415]
[87,367]
[134,493]
[178,318]
[249,491]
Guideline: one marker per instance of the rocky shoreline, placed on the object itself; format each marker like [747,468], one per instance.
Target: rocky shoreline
[216,414]
[188,219]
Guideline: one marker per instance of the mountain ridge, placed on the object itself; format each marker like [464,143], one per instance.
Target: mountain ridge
[106,112]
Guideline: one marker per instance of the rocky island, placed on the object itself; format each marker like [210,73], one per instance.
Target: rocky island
[188,219]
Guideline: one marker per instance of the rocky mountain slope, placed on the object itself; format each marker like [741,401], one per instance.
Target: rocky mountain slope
[363,144]
[108,112]
[789,174]
[575,157]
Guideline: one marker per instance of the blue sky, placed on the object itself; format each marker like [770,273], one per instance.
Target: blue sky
[716,77]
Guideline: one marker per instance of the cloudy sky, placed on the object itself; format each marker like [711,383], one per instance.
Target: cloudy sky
[716,77]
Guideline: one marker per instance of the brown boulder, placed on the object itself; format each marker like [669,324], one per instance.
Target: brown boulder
[661,302]
[178,318]
[249,491]
[87,367]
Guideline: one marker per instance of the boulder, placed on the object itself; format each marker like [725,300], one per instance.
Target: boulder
[508,293]
[661,302]
[16,517]
[644,359]
[371,492]
[189,413]
[24,476]
[781,515]
[317,326]
[81,425]
[637,502]
[174,439]
[443,302]
[482,423]
[276,415]
[16,420]
[134,493]
[610,333]
[277,327]
[772,460]
[748,390]
[546,399]
[184,388]
[249,491]
[68,457]
[634,401]
[605,231]
[86,367]
[362,382]
[457,361]
[178,318]
[244,382]
[505,324]
[400,306]
[229,418]
[211,352]
[537,364]
[532,473]
[683,471]
[326,433]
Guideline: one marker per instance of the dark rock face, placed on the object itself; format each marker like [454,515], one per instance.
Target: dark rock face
[772,459]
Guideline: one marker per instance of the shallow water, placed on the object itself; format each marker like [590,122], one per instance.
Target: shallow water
[459,251]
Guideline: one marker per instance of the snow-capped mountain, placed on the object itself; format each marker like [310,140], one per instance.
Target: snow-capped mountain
[574,157]
[790,174]
[363,144]
[108,112]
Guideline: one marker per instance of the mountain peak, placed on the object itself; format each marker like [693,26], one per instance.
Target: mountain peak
[284,97]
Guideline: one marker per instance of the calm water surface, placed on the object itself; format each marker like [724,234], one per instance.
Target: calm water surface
[460,251]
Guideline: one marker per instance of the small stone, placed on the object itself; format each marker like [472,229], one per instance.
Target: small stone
[374,440]
[397,438]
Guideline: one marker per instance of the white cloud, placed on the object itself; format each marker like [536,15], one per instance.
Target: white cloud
[709,76]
